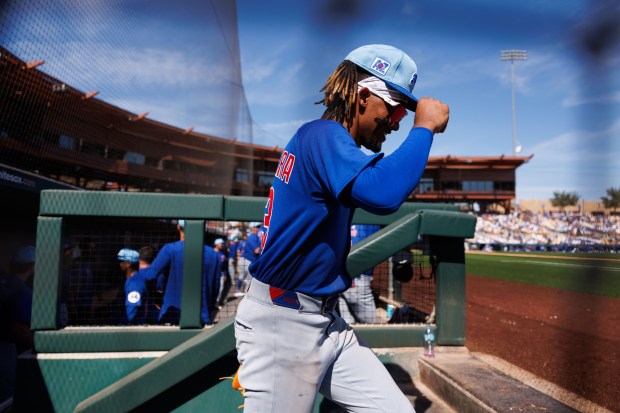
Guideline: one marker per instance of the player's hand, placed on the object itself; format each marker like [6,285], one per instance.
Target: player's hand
[432,114]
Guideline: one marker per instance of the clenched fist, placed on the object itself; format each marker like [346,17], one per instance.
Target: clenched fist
[432,114]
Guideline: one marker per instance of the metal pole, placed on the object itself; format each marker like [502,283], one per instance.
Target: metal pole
[514,116]
[390,281]
[512,55]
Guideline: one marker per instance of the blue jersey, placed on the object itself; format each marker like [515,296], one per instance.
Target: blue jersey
[169,261]
[232,250]
[307,237]
[223,260]
[251,244]
[360,232]
[139,304]
[135,291]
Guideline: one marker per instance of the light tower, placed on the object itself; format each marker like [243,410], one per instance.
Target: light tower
[512,55]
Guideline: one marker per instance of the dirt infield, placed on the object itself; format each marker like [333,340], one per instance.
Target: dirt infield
[567,338]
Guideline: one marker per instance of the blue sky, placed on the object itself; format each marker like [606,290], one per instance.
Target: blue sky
[179,62]
[566,103]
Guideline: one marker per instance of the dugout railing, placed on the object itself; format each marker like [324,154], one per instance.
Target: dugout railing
[111,368]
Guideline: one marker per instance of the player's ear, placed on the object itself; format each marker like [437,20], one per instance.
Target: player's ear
[362,96]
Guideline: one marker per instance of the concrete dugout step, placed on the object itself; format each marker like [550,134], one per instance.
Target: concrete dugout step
[470,385]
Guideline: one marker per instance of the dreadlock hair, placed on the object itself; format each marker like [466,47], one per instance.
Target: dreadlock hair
[341,92]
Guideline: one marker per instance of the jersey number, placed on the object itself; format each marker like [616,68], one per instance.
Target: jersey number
[267,218]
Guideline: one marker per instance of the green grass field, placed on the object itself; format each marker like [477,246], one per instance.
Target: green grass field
[587,275]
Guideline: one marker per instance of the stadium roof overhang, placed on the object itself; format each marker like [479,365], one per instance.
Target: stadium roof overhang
[477,162]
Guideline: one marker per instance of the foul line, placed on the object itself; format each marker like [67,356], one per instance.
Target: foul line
[559,264]
[559,257]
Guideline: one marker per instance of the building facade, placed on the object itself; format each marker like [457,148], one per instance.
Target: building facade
[54,130]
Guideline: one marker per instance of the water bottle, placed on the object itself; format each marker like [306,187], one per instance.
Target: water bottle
[429,342]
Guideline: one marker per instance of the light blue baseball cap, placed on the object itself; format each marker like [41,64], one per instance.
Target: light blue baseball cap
[391,65]
[128,255]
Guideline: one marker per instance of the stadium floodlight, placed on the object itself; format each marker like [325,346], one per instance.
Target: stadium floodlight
[512,55]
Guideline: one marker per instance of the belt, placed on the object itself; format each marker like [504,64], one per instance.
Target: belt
[305,303]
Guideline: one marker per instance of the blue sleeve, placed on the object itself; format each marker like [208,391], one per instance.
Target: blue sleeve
[160,265]
[210,284]
[130,309]
[253,242]
[160,285]
[334,160]
[223,265]
[217,271]
[402,170]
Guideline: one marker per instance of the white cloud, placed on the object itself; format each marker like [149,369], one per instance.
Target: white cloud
[271,134]
[571,140]
[613,97]
[280,89]
[95,15]
[261,65]
[258,71]
[581,161]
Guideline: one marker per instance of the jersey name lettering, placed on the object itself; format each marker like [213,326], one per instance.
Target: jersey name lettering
[285,167]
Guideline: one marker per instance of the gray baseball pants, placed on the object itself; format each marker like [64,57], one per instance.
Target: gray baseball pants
[357,304]
[292,347]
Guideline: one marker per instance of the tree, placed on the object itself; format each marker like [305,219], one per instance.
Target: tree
[612,200]
[563,199]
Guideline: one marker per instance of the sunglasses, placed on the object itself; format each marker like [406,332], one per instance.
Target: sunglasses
[395,113]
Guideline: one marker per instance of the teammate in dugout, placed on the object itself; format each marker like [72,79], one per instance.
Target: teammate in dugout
[291,343]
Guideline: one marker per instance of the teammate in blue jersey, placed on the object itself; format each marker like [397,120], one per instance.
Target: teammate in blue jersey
[169,261]
[291,343]
[357,304]
[249,252]
[219,246]
[135,286]
[139,305]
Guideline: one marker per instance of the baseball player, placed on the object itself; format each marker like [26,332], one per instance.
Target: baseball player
[169,262]
[135,286]
[219,246]
[249,253]
[357,304]
[291,343]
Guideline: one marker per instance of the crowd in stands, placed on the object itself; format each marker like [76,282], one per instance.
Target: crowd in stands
[550,230]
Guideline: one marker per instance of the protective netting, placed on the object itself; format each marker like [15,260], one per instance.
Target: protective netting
[139,95]
[103,284]
[405,285]
[148,95]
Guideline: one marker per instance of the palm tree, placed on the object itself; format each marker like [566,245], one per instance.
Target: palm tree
[563,199]
[612,200]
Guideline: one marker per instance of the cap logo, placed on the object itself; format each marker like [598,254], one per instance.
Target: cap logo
[380,66]
[414,79]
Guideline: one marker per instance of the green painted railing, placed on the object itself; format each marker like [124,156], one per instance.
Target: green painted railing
[190,347]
